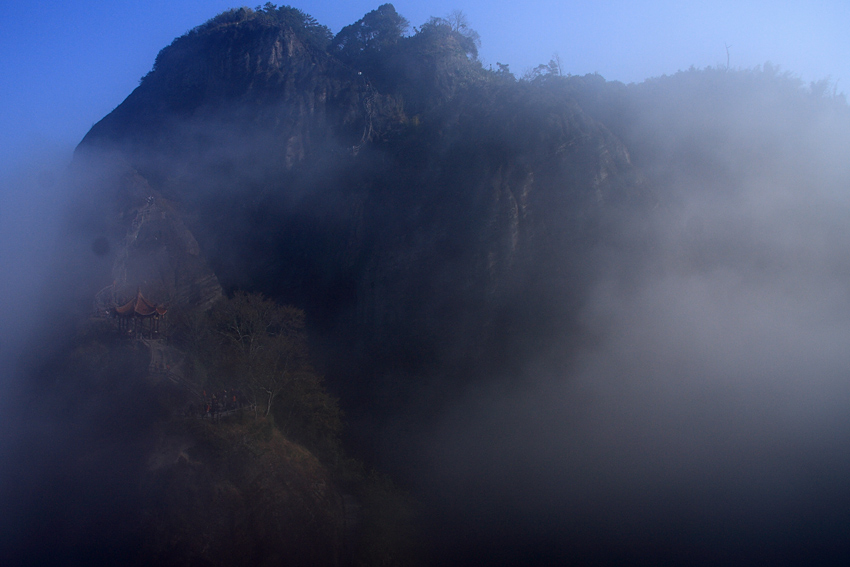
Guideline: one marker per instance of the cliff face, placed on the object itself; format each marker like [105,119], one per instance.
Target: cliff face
[140,241]
[245,74]
[161,255]
[490,233]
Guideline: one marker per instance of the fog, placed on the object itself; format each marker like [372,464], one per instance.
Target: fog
[708,424]
[33,201]
[62,482]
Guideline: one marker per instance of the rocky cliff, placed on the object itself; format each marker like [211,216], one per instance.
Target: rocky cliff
[418,221]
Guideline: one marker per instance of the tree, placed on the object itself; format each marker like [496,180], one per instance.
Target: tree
[262,346]
[258,346]
[504,72]
[305,26]
[553,69]
[375,31]
[455,24]
[459,23]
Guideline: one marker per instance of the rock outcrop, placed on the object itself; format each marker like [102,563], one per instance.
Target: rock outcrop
[142,235]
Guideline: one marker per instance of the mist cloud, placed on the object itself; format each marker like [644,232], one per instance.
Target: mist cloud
[33,199]
[709,423]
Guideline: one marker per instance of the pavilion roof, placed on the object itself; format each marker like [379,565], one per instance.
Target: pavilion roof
[139,307]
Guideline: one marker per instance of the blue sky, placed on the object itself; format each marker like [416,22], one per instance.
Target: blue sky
[66,65]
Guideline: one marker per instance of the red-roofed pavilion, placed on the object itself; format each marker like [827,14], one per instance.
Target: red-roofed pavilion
[139,316]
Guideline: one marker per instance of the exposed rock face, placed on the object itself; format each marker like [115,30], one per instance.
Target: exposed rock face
[160,255]
[214,90]
[151,249]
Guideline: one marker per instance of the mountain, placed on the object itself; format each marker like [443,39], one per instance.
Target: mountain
[425,211]
[480,259]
